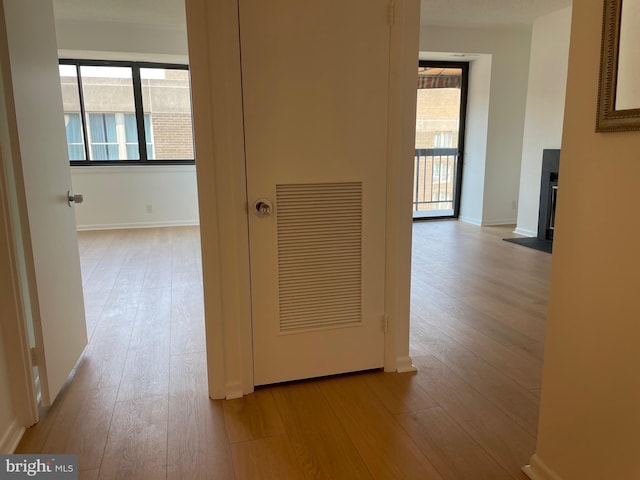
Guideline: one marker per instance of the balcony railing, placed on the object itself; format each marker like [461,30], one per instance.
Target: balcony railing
[434,181]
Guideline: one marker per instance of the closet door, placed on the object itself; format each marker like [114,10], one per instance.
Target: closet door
[315,78]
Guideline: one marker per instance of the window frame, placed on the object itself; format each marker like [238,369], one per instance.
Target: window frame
[139,111]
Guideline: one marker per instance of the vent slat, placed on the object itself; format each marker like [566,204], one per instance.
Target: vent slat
[319,228]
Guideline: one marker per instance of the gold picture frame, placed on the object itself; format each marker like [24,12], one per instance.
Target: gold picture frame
[609,118]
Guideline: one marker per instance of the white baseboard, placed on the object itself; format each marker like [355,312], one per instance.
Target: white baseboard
[123,226]
[489,223]
[538,470]
[526,232]
[405,365]
[472,221]
[11,437]
[497,222]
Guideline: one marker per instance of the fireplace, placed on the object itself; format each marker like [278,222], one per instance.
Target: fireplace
[548,193]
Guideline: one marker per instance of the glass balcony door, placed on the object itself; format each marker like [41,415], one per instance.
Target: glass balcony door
[440,113]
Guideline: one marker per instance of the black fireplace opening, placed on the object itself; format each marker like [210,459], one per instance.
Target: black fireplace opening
[548,193]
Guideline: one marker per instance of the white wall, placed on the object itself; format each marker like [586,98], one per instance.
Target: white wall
[545,109]
[496,201]
[119,197]
[475,157]
[135,196]
[590,402]
[110,40]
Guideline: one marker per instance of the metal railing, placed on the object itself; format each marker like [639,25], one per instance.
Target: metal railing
[434,178]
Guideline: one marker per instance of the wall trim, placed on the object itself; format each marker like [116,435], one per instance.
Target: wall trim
[471,220]
[405,365]
[403,56]
[126,226]
[497,222]
[216,89]
[538,470]
[526,232]
[12,437]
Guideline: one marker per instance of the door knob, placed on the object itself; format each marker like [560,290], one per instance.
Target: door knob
[263,208]
[74,198]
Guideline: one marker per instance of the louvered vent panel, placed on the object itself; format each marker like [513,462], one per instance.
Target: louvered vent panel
[319,254]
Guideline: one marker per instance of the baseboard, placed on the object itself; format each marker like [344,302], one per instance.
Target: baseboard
[405,365]
[498,222]
[11,437]
[472,221]
[125,226]
[538,470]
[489,223]
[525,232]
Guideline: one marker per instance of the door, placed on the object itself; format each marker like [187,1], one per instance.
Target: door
[39,153]
[440,120]
[315,97]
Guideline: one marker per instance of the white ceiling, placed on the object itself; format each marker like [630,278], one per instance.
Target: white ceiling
[486,13]
[470,13]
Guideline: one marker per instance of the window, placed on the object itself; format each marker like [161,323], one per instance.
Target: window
[75,145]
[126,112]
[442,139]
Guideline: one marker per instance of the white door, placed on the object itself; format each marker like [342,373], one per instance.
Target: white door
[38,140]
[315,92]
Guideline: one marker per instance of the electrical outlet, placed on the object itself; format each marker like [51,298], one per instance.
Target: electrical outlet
[514,205]
[149,208]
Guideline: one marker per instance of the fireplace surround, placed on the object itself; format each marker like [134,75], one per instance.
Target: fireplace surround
[548,193]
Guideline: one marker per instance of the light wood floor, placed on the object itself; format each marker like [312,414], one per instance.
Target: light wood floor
[137,406]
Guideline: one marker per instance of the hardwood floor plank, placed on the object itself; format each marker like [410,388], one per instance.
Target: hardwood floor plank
[137,443]
[116,321]
[523,369]
[158,272]
[526,324]
[252,417]
[36,436]
[198,447]
[89,474]
[127,287]
[423,293]
[101,365]
[146,371]
[451,450]
[535,350]
[82,425]
[318,440]
[385,447]
[506,441]
[93,312]
[399,392]
[265,459]
[153,317]
[516,401]
[187,319]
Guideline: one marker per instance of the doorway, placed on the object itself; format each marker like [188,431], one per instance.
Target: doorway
[439,145]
